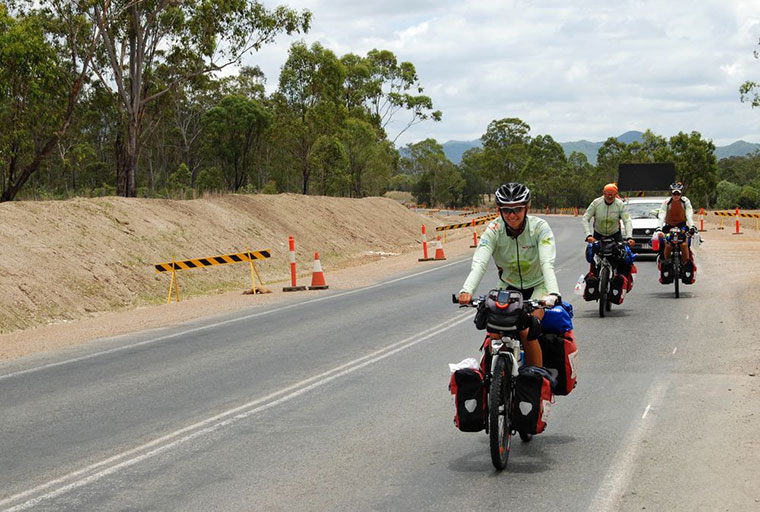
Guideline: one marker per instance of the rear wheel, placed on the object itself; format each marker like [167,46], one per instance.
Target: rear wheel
[604,278]
[499,410]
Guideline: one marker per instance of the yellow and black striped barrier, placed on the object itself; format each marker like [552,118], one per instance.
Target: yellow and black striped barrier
[224,259]
[213,260]
[733,214]
[481,220]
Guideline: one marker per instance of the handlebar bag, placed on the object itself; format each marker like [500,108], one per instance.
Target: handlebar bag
[533,399]
[558,319]
[469,398]
[502,311]
[560,354]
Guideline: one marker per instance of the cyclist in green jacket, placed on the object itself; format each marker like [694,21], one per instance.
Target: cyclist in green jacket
[522,247]
[607,213]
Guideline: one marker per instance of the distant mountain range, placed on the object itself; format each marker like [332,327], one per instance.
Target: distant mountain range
[454,149]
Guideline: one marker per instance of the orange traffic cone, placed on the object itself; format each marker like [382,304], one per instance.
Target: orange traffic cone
[439,250]
[317,276]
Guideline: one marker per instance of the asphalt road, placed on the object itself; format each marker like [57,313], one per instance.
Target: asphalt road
[336,401]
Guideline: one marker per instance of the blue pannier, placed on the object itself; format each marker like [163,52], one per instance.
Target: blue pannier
[558,319]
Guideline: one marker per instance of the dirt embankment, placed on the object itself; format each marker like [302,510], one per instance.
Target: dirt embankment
[68,260]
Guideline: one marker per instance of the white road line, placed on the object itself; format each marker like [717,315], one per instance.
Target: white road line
[646,411]
[131,457]
[619,474]
[219,324]
[674,350]
[687,317]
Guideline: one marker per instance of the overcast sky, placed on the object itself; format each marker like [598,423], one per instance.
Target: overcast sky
[575,69]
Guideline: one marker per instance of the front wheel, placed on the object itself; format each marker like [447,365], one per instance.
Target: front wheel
[604,278]
[676,271]
[499,411]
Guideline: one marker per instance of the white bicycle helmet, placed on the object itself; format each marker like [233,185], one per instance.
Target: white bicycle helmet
[512,194]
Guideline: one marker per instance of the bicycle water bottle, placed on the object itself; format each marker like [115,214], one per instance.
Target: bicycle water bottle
[655,242]
[580,285]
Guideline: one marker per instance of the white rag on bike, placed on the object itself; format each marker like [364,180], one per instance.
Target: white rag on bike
[464,363]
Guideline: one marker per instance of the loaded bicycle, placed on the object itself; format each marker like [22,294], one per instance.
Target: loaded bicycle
[607,254]
[504,314]
[675,238]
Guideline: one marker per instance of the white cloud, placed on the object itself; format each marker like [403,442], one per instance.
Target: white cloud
[586,69]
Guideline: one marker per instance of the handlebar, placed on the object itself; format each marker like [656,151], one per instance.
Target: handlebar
[528,304]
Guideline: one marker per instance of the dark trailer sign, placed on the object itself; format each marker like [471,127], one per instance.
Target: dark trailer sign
[646,177]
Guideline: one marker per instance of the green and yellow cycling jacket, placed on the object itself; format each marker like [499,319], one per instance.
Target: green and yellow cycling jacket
[607,218]
[526,261]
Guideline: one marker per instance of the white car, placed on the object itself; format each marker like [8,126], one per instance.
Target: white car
[644,221]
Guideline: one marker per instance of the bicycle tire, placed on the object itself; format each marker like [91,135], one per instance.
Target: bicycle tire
[499,412]
[604,277]
[677,271]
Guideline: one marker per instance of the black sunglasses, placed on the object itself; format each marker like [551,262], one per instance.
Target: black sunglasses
[507,210]
[676,193]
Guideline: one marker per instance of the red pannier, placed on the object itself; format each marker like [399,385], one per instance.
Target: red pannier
[689,272]
[618,288]
[560,354]
[470,399]
[533,399]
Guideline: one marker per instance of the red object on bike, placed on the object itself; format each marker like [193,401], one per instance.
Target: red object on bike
[560,354]
[655,243]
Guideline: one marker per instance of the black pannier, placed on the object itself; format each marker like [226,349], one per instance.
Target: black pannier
[470,399]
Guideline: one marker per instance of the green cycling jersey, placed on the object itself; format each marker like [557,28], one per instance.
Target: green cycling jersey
[607,218]
[525,261]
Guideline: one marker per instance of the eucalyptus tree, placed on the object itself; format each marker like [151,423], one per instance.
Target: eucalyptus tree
[189,37]
[308,104]
[370,161]
[45,55]
[437,180]
[505,147]
[543,170]
[393,87]
[474,185]
[234,127]
[696,166]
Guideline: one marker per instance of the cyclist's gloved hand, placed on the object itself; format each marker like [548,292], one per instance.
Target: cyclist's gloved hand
[590,239]
[692,231]
[631,242]
[660,235]
[465,298]
[550,300]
